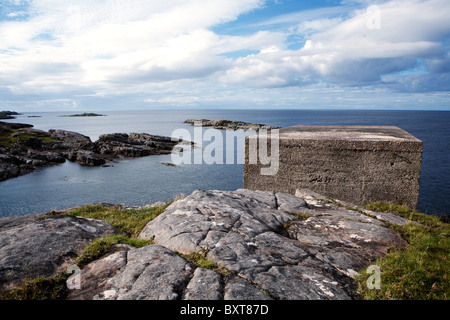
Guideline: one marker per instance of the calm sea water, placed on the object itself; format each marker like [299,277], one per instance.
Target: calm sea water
[145,180]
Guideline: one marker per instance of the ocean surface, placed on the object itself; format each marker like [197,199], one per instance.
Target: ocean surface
[136,182]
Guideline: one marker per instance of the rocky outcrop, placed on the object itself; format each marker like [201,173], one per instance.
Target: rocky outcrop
[23,148]
[37,246]
[6,115]
[257,245]
[229,125]
[277,243]
[134,145]
[88,114]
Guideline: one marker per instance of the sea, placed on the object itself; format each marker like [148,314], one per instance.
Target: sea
[141,181]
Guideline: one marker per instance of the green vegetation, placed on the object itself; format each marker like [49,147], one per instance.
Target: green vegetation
[53,288]
[130,221]
[199,260]
[102,246]
[419,271]
[301,216]
[9,137]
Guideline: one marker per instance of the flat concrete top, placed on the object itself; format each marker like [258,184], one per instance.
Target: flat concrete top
[348,133]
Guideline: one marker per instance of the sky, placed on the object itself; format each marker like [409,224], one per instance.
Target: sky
[65,55]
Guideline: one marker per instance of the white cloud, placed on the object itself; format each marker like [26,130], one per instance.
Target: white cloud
[94,48]
[349,53]
[111,41]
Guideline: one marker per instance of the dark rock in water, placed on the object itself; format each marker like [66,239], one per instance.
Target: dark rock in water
[7,115]
[24,148]
[14,126]
[134,145]
[167,164]
[88,114]
[89,158]
[32,246]
[229,125]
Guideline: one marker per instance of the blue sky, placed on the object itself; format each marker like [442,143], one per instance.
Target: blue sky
[64,55]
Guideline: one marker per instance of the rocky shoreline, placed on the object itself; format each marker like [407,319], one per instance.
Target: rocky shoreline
[8,115]
[230,125]
[23,149]
[259,246]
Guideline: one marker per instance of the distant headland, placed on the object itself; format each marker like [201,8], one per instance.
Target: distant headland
[230,125]
[88,114]
[6,115]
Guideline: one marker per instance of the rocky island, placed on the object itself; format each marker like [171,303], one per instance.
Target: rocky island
[89,114]
[7,115]
[23,149]
[230,125]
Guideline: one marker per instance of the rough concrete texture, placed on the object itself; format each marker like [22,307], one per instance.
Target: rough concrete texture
[359,164]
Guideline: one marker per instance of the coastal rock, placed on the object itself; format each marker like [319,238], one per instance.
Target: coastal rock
[87,114]
[33,246]
[24,148]
[6,115]
[229,125]
[150,273]
[244,233]
[134,145]
[258,245]
[204,285]
[88,158]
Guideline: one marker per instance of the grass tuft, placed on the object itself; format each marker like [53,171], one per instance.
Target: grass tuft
[130,221]
[419,271]
[199,260]
[52,288]
[102,246]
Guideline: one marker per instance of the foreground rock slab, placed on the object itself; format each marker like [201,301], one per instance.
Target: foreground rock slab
[310,252]
[36,246]
[255,245]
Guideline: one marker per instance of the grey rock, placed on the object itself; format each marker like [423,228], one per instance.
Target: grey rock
[266,197]
[251,234]
[259,251]
[32,246]
[289,203]
[96,275]
[151,273]
[204,285]
[240,289]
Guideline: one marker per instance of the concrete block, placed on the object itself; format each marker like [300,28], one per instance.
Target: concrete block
[358,164]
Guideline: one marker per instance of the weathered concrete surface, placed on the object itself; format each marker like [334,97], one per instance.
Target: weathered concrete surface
[263,245]
[359,164]
[33,246]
